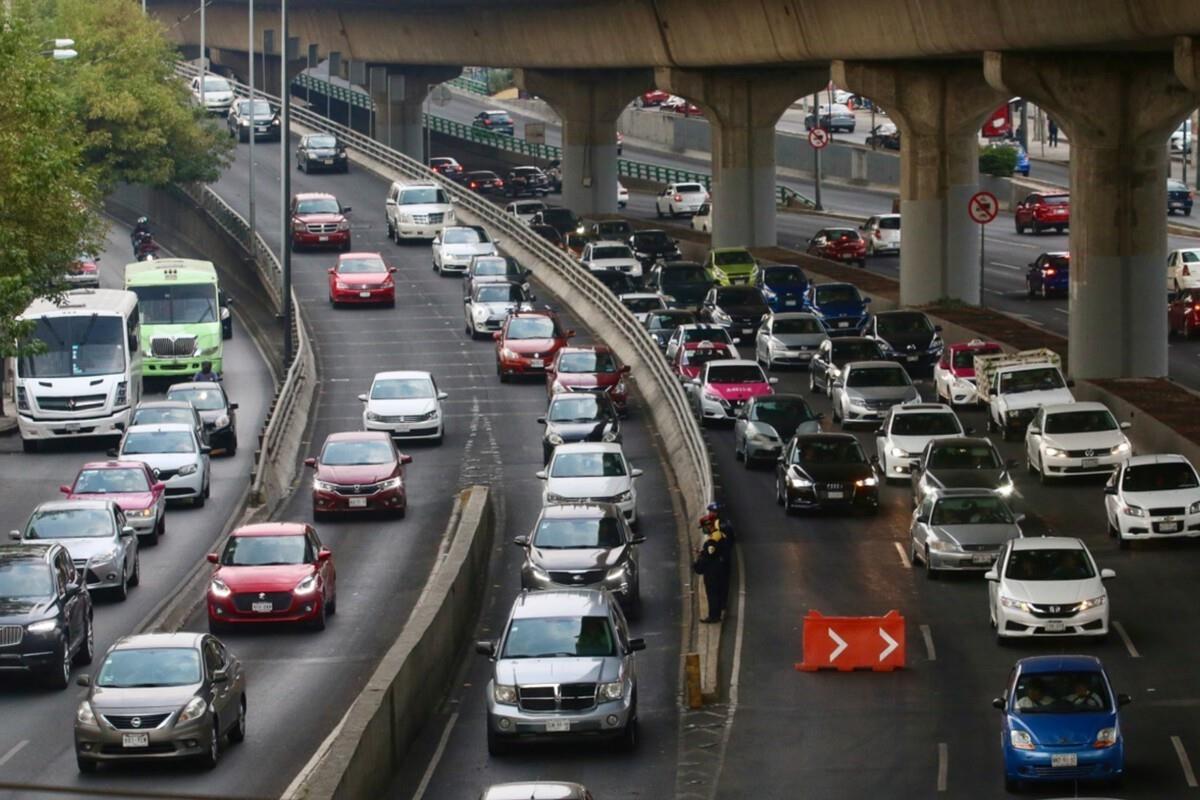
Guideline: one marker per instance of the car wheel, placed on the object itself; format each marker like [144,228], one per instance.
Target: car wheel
[401,512]
[58,676]
[496,744]
[85,766]
[30,445]
[238,732]
[737,451]
[1042,477]
[671,211]
[1123,543]
[136,577]
[121,591]
[500,371]
[1020,228]
[1059,228]
[87,649]
[198,500]
[1036,227]
[779,498]
[299,165]
[930,573]
[629,737]
[231,451]
[1029,288]
[812,381]
[317,623]
[212,753]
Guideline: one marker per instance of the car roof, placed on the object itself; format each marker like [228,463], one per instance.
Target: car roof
[900,312]
[535,790]
[113,464]
[1063,663]
[578,510]
[358,436]
[1082,405]
[196,385]
[271,529]
[961,441]
[586,348]
[640,296]
[926,407]
[588,447]
[143,641]
[562,603]
[314,196]
[730,250]
[940,493]
[777,396]
[403,373]
[1159,458]
[833,284]
[535,312]
[359,254]
[166,403]
[67,505]
[14,550]
[873,365]
[1048,543]
[681,264]
[974,344]
[735,362]
[608,242]
[1057,254]
[160,427]
[705,345]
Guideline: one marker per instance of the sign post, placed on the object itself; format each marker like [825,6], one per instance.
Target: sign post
[982,208]
[817,138]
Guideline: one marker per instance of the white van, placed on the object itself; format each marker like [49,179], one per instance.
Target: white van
[417,210]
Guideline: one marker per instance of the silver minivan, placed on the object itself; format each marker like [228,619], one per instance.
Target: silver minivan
[564,668]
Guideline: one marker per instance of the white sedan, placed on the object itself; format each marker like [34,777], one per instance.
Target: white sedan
[406,404]
[591,471]
[1047,586]
[1153,497]
[680,198]
[1071,439]
[1183,269]
[174,454]
[454,248]
[905,432]
[608,255]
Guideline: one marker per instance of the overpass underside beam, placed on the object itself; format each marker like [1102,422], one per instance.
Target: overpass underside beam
[1118,112]
[743,106]
[399,93]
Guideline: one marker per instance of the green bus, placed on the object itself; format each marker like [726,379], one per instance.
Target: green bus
[178,299]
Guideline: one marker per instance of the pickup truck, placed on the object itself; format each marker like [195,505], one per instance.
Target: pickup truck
[1016,385]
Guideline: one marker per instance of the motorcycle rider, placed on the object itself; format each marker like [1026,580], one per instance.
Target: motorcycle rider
[140,233]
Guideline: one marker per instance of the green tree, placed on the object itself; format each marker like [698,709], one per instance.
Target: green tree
[997,159]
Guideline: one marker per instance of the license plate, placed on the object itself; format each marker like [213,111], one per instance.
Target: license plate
[1056,626]
[358,502]
[537,363]
[1064,760]
[747,331]
[328,162]
[135,740]
[1176,205]
[262,608]
[1090,462]
[72,427]
[843,324]
[981,558]
[1168,527]
[913,358]
[836,495]
[322,238]
[847,256]
[558,725]
[364,294]
[789,302]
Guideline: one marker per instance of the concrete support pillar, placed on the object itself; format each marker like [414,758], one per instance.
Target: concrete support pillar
[938,108]
[399,93]
[588,102]
[1118,111]
[743,106]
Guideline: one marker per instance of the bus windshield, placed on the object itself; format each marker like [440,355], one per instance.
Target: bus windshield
[76,346]
[178,304]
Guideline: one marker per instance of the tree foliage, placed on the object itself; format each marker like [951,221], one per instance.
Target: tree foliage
[998,160]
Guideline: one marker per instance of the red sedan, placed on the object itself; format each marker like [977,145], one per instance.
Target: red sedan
[358,471]
[653,98]
[1038,211]
[528,342]
[319,220]
[839,244]
[361,278]
[132,486]
[589,369]
[273,572]
[1183,313]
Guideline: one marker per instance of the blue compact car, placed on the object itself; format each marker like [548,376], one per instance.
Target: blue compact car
[839,307]
[1049,275]
[1060,722]
[783,286]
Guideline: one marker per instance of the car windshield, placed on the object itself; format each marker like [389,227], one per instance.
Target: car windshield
[723,258]
[739,296]
[1056,199]
[1176,186]
[262,551]
[530,328]
[151,442]
[613,229]
[261,107]
[150,667]
[668,322]
[1031,380]
[889,223]
[201,399]
[1091,421]
[837,294]
[736,373]
[652,239]
[561,216]
[402,389]
[583,408]
[925,423]
[491,265]
[963,456]
[699,356]
[156,416]
[828,451]
[587,361]
[529,207]
[74,523]
[860,350]
[588,465]
[215,84]
[1165,477]
[689,188]
[323,142]
[842,234]
[1049,564]
[1084,692]
[318,205]
[878,376]
[497,116]
[982,510]
[565,534]
[355,266]
[25,578]
[782,413]
[965,359]
[611,251]
[111,481]
[426,194]
[76,347]
[499,293]
[347,453]
[565,637]
[706,334]
[640,305]
[681,275]
[463,236]
[796,325]
[783,276]
[903,323]
[176,304]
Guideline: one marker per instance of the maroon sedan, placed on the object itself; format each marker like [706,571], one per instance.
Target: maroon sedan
[319,220]
[839,244]
[358,471]
[362,278]
[1183,313]
[528,342]
[589,369]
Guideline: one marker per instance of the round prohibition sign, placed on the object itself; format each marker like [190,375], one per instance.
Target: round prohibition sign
[818,138]
[983,207]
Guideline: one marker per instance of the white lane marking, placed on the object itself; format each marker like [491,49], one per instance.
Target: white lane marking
[1062,311]
[892,644]
[18,747]
[927,635]
[1012,267]
[437,757]
[943,765]
[1120,629]
[1185,763]
[903,555]
[993,291]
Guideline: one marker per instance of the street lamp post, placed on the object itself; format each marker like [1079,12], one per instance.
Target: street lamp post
[250,173]
[203,60]
[285,194]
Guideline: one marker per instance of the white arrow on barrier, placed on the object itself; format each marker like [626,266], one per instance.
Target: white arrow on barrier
[841,645]
[892,644]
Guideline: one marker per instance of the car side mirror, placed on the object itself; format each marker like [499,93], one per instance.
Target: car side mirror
[1124,700]
[923,518]
[636,472]
[1110,490]
[324,554]
[391,270]
[637,644]
[205,449]
[310,462]
[1126,426]
[541,420]
[991,391]
[233,406]
[1107,573]
[969,429]
[347,210]
[389,202]
[1070,383]
[486,647]
[128,531]
[442,395]
[1018,518]
[772,381]
[998,703]
[497,336]
[362,397]
[625,369]
[220,675]
[1010,463]
[83,680]
[213,558]
[14,535]
[65,489]
[405,458]
[112,452]
[571,334]
[937,328]
[1035,430]
[991,575]
[540,474]
[521,541]
[331,270]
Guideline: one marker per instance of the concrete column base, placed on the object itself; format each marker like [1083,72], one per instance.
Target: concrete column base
[399,93]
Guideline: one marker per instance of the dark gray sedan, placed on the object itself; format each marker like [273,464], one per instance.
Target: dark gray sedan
[967,462]
[579,417]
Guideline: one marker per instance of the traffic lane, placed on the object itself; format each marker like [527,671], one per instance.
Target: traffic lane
[854,566]
[36,716]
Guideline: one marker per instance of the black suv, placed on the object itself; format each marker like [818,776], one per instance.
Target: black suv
[651,245]
[527,181]
[45,613]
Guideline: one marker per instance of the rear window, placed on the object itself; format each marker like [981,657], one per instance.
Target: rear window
[965,359]
[612,251]
[735,373]
[889,223]
[1056,199]
[678,275]
[689,188]
[843,234]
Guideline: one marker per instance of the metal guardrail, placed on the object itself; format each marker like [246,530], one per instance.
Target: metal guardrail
[589,294]
[469,85]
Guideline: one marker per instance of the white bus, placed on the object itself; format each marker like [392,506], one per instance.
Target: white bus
[88,373]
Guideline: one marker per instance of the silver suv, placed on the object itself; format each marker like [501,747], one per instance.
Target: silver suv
[563,668]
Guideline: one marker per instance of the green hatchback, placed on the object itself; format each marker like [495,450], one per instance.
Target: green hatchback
[731,265]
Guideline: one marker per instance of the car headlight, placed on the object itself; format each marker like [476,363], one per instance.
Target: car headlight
[554,439]
[139,513]
[1013,413]
[508,354]
[1055,452]
[539,573]
[856,401]
[219,588]
[871,481]
[504,694]
[405,216]
[1105,737]
[1005,489]
[557,387]
[44,626]
[761,438]
[799,482]
[612,691]
[896,452]
[624,497]
[322,486]
[616,573]
[480,314]
[1194,508]
[937,344]
[107,555]
[390,483]
[1134,511]
[187,469]
[722,318]
[428,415]
[222,421]
[620,388]
[344,225]
[711,394]
[942,546]
[306,585]
[372,416]
[1021,740]
[1122,449]
[609,436]
[551,497]
[84,714]
[194,709]
[210,351]
[1011,602]
[275,121]
[1092,602]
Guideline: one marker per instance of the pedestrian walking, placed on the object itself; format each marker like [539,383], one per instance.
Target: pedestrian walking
[1053,133]
[713,562]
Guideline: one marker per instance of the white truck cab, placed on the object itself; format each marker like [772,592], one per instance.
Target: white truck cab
[1016,385]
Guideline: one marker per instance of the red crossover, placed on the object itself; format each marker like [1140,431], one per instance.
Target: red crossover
[589,369]
[653,98]
[1183,313]
[692,356]
[361,278]
[319,220]
[528,342]
[839,244]
[132,486]
[272,572]
[1037,212]
[358,471]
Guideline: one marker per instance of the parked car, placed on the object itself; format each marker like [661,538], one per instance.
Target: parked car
[1040,211]
[825,471]
[961,530]
[261,121]
[765,424]
[1153,497]
[319,220]
[494,121]
[882,233]
[95,533]
[680,199]
[322,151]
[1049,274]
[838,244]
[356,472]
[362,278]
[1179,198]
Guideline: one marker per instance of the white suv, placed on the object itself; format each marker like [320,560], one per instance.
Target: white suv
[605,255]
[417,211]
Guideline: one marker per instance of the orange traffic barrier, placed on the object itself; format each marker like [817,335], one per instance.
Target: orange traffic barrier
[848,643]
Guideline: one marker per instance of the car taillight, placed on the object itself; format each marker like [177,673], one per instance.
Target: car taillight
[474,185]
[678,198]
[1196,308]
[1050,271]
[499,182]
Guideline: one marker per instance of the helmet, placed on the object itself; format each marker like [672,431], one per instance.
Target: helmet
[714,507]
[143,221]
